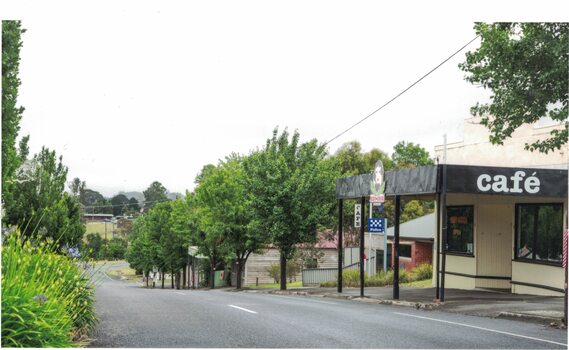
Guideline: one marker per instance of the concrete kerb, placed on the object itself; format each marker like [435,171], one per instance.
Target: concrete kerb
[368,300]
[551,320]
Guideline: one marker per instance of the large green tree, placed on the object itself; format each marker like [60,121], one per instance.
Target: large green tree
[526,66]
[40,207]
[293,191]
[410,155]
[11,112]
[224,194]
[155,193]
[120,204]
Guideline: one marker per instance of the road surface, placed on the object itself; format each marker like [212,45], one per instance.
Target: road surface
[131,316]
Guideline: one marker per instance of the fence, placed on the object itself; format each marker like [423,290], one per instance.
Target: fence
[317,276]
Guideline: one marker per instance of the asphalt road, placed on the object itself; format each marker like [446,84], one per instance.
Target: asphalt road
[131,316]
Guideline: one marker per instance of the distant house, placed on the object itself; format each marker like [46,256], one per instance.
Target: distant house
[255,270]
[416,238]
[97,217]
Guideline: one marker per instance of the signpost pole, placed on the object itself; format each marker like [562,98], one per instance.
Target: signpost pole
[362,237]
[340,243]
[385,246]
[369,244]
[396,248]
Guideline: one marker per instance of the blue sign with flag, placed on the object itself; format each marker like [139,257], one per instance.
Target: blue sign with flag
[376,225]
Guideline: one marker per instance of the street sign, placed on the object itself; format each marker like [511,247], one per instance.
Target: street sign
[379,207]
[376,224]
[377,198]
[358,215]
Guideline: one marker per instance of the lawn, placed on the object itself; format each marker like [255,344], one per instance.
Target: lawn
[125,273]
[419,284]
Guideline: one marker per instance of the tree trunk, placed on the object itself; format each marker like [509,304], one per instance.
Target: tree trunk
[212,276]
[239,269]
[184,279]
[283,272]
[178,279]
[147,274]
[172,280]
[162,274]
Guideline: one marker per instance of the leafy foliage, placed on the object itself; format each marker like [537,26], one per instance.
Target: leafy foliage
[40,207]
[293,191]
[409,155]
[526,67]
[47,299]
[154,194]
[11,113]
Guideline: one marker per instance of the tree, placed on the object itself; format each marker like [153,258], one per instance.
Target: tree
[11,113]
[93,245]
[293,191]
[154,194]
[116,248]
[409,155]
[352,161]
[526,67]
[120,204]
[40,207]
[224,194]
[95,203]
[133,205]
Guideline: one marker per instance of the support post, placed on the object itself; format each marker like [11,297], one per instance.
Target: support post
[438,240]
[340,243]
[396,248]
[444,233]
[362,244]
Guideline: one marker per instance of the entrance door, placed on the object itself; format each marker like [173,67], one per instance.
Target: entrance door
[494,245]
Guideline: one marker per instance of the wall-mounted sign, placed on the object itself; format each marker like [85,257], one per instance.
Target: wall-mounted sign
[507,181]
[358,215]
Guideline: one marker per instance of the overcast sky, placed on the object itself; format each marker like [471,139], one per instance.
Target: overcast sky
[131,92]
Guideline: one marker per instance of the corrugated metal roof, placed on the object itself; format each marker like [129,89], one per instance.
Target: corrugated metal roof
[419,228]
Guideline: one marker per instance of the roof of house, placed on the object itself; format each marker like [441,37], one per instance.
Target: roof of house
[422,228]
[99,215]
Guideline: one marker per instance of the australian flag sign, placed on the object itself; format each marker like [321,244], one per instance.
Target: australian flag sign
[376,225]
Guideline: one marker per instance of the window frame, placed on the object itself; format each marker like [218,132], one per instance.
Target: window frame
[456,252]
[533,260]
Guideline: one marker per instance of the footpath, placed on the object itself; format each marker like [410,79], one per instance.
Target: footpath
[477,302]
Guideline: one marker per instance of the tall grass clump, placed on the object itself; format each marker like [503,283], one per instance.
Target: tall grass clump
[47,298]
[351,278]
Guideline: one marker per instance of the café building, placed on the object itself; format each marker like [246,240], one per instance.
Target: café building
[496,227]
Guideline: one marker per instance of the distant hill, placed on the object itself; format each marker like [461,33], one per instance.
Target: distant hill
[139,196]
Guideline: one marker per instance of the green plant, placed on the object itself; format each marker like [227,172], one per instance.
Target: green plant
[47,298]
[274,272]
[423,272]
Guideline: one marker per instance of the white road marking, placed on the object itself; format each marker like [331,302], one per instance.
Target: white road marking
[243,309]
[180,293]
[482,328]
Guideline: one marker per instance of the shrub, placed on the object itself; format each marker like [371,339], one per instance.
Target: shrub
[274,272]
[423,272]
[47,299]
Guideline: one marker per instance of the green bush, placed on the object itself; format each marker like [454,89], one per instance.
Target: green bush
[423,272]
[274,272]
[47,298]
[351,278]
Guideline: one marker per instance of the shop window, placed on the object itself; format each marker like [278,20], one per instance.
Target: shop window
[405,250]
[539,232]
[460,229]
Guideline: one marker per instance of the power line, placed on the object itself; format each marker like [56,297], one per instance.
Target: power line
[401,93]
[122,205]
